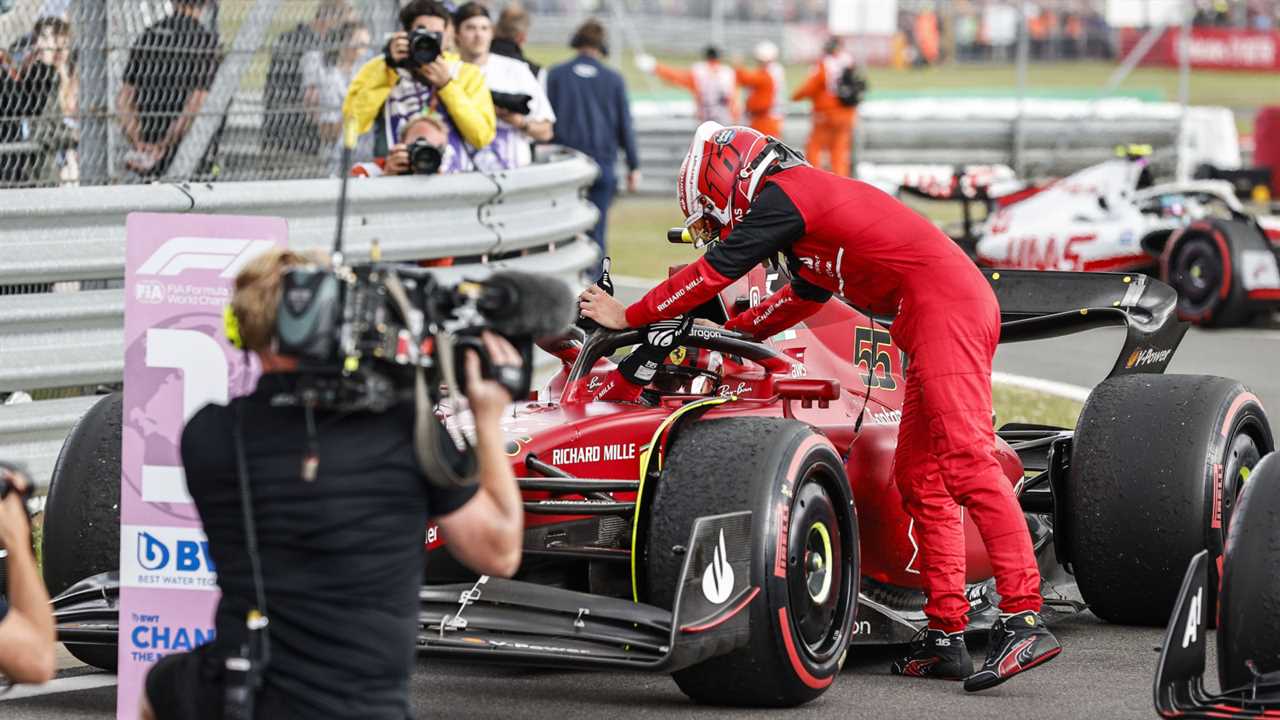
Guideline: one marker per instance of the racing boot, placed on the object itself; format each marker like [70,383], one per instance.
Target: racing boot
[1018,642]
[935,654]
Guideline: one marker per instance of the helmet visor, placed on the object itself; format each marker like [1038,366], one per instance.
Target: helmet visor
[703,227]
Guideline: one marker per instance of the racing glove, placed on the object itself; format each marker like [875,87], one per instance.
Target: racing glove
[661,338]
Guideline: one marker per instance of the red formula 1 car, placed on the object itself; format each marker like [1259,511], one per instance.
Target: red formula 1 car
[735,522]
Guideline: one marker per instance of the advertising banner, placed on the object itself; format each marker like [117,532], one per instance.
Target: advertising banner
[179,271]
[1212,49]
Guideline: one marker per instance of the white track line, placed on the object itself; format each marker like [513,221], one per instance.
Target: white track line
[64,685]
[1050,387]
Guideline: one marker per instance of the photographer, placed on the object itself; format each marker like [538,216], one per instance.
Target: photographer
[423,150]
[415,74]
[26,622]
[340,504]
[524,113]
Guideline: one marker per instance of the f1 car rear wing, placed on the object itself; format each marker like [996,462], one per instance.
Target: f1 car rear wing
[1036,304]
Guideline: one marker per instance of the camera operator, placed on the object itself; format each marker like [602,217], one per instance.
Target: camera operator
[341,550]
[414,74]
[423,150]
[524,113]
[26,622]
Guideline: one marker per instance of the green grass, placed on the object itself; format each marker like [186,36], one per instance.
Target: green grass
[1015,404]
[1084,79]
[638,237]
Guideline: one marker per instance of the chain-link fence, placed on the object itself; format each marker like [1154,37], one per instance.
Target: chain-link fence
[119,91]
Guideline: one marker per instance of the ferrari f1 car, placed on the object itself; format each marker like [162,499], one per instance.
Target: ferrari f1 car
[1195,235]
[735,521]
[1248,622]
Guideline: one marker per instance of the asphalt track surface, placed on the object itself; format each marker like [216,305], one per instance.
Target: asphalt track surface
[1105,671]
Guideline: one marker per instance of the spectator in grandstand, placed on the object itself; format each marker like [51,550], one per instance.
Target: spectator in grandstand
[26,621]
[427,128]
[510,35]
[713,84]
[34,95]
[390,89]
[766,86]
[524,113]
[291,126]
[590,100]
[831,87]
[166,82]
[325,79]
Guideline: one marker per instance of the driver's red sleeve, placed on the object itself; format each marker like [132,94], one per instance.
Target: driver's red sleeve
[778,312]
[695,284]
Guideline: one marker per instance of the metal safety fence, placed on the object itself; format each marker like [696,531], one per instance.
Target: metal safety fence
[121,91]
[1036,138]
[73,241]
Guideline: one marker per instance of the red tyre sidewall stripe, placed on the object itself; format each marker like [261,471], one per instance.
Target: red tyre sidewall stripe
[1239,402]
[802,672]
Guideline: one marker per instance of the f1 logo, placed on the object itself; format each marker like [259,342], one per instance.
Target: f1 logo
[197,253]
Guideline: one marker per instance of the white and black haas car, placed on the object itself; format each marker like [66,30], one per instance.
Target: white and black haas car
[1194,235]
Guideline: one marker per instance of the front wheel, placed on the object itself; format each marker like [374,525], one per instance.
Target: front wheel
[805,557]
[1248,621]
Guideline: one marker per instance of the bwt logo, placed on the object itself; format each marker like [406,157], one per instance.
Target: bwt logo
[226,255]
[186,555]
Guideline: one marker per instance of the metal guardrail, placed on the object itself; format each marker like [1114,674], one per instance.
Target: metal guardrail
[1047,138]
[531,219]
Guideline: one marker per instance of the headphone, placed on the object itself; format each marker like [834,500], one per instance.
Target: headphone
[231,327]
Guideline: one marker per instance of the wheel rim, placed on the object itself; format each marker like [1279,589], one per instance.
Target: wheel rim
[1242,455]
[1197,273]
[815,570]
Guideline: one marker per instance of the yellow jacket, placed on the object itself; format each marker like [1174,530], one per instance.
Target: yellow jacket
[465,97]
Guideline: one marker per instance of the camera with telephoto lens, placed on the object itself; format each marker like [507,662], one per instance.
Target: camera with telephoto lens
[424,48]
[517,103]
[424,158]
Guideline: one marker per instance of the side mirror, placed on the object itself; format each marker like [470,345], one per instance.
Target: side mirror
[806,390]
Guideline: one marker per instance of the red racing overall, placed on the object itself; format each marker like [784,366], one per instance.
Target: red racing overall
[842,235]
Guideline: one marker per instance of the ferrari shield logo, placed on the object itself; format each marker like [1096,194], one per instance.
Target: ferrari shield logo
[678,355]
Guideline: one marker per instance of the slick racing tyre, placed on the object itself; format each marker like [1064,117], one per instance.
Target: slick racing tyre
[1249,609]
[1156,467]
[793,482]
[1199,264]
[82,513]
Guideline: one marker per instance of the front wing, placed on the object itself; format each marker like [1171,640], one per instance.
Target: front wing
[517,622]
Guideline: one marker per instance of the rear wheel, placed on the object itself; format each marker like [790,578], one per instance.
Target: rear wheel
[1156,467]
[1249,616]
[793,482]
[82,513]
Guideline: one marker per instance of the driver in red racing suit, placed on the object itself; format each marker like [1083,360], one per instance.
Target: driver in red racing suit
[840,235]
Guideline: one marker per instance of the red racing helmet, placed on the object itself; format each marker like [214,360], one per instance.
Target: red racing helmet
[721,176]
